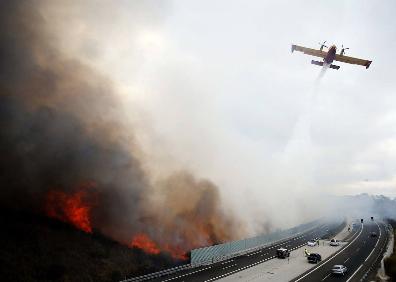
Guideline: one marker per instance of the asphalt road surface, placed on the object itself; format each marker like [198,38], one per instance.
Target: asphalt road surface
[359,256]
[224,268]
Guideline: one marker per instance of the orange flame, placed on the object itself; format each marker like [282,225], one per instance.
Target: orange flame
[176,252]
[71,208]
[142,241]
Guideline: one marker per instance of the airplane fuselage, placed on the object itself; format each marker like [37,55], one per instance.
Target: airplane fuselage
[331,54]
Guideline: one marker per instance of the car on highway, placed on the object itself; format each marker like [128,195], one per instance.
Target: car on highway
[373,234]
[282,253]
[314,258]
[339,269]
[334,242]
[312,243]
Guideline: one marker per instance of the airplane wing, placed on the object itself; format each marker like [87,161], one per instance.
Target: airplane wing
[309,51]
[351,60]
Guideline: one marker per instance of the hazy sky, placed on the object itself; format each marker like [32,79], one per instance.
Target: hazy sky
[213,86]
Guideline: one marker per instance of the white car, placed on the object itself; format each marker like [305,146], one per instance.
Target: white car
[312,243]
[334,242]
[339,269]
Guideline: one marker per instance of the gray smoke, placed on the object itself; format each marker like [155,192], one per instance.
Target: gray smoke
[63,130]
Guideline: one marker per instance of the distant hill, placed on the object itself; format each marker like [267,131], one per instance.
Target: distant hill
[36,248]
[364,205]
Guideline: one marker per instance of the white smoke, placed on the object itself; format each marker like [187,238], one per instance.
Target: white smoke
[232,107]
[322,72]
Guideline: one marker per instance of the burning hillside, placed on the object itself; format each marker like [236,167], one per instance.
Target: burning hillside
[73,208]
[142,241]
[39,248]
[68,153]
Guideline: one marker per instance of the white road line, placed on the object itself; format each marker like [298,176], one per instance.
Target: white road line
[354,273]
[231,265]
[375,244]
[368,255]
[239,269]
[326,276]
[173,278]
[347,260]
[330,258]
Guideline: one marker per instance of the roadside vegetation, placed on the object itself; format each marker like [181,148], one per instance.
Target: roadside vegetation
[36,248]
[390,263]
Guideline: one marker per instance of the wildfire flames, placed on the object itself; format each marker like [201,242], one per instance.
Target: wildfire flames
[74,208]
[143,242]
[176,252]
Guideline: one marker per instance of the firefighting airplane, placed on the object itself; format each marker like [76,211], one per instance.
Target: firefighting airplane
[330,56]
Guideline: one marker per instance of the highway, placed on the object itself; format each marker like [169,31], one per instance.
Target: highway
[224,268]
[360,256]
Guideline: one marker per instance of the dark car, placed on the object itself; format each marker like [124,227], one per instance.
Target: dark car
[334,242]
[373,234]
[282,253]
[314,258]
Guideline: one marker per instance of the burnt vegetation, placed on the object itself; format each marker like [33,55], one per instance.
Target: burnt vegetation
[38,248]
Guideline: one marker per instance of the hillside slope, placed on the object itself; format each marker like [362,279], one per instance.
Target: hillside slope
[36,248]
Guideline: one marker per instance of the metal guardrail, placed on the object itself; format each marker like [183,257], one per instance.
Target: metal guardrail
[223,251]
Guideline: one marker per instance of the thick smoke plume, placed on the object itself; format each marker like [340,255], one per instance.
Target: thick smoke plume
[67,152]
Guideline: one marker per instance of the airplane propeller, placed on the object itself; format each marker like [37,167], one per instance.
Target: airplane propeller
[322,45]
[343,50]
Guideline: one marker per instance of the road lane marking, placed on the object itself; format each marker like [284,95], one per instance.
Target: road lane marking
[229,266]
[173,278]
[357,270]
[375,244]
[326,276]
[379,254]
[346,260]
[354,273]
